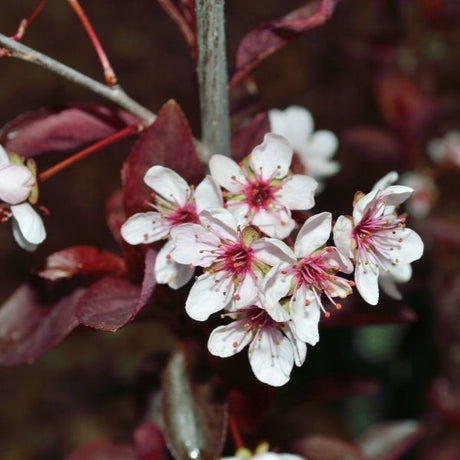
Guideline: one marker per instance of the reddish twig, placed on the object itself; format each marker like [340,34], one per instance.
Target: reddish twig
[235,432]
[125,132]
[109,73]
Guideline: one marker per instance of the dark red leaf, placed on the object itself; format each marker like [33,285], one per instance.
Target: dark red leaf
[167,142]
[319,447]
[244,141]
[108,304]
[270,36]
[194,413]
[115,214]
[82,260]
[390,440]
[48,130]
[149,442]
[29,326]
[148,283]
[103,450]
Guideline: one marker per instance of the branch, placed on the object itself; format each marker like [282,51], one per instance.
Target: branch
[116,94]
[212,76]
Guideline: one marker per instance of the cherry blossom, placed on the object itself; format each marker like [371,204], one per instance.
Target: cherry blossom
[446,149]
[262,191]
[272,347]
[310,273]
[234,260]
[314,149]
[16,185]
[377,239]
[175,203]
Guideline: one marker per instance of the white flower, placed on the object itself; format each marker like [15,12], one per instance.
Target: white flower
[261,453]
[262,191]
[315,150]
[176,203]
[273,348]
[310,273]
[421,201]
[16,184]
[234,259]
[377,238]
[446,149]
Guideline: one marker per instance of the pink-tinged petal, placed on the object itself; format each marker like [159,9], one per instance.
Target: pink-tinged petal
[363,205]
[387,180]
[305,317]
[314,233]
[220,222]
[4,158]
[169,272]
[145,228]
[226,341]
[275,286]
[246,292]
[271,358]
[343,236]
[29,225]
[272,251]
[227,173]
[210,294]
[16,182]
[297,192]
[366,283]
[322,144]
[272,159]
[276,223]
[193,245]
[208,195]
[410,249]
[298,346]
[335,259]
[168,184]
[295,124]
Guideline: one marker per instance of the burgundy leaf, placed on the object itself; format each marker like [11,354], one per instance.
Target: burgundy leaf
[148,283]
[149,442]
[115,214]
[108,304]
[103,450]
[82,260]
[317,447]
[167,142]
[48,130]
[29,326]
[270,36]
[194,414]
[390,440]
[244,141]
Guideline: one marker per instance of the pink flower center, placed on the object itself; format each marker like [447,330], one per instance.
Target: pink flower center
[236,259]
[183,215]
[259,194]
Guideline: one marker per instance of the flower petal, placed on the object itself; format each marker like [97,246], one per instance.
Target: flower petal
[297,192]
[276,223]
[226,341]
[298,346]
[16,182]
[275,286]
[322,144]
[342,234]
[305,317]
[272,159]
[4,158]
[208,194]
[29,225]
[227,173]
[314,233]
[168,184]
[220,222]
[272,251]
[145,228]
[169,272]
[410,248]
[366,283]
[387,180]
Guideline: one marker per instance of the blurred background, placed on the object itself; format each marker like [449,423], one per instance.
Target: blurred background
[383,75]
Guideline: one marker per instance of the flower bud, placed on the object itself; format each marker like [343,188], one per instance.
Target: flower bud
[16,182]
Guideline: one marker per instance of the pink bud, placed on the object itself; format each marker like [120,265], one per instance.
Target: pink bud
[15,184]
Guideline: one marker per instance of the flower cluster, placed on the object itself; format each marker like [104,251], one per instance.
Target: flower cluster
[237,227]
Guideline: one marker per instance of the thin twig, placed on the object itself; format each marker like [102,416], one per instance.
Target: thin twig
[116,95]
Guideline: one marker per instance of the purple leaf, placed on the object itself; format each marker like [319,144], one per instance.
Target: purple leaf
[29,326]
[271,36]
[82,260]
[48,130]
[167,142]
[244,141]
[103,450]
[195,417]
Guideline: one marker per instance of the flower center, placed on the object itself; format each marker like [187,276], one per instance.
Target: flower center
[237,259]
[312,272]
[183,215]
[259,194]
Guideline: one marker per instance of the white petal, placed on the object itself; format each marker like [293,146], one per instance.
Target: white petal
[208,195]
[397,194]
[272,357]
[272,251]
[322,144]
[342,234]
[247,292]
[227,173]
[277,223]
[335,259]
[16,182]
[272,159]
[402,273]
[169,272]
[220,222]
[209,294]
[297,192]
[319,168]
[363,205]
[145,228]
[4,158]
[305,317]
[168,184]
[240,211]
[275,286]
[314,233]
[299,348]
[389,287]
[226,341]
[366,283]
[410,249]
[30,224]
[387,180]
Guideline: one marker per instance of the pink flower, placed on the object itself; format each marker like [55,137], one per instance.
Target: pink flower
[310,274]
[16,183]
[262,191]
[377,239]
[234,260]
[176,203]
[273,348]
[315,150]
